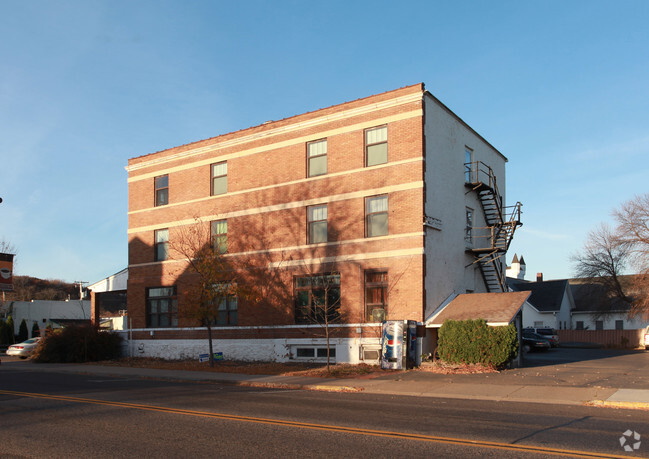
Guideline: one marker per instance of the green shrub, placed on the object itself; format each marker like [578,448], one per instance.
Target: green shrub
[473,341]
[78,344]
[35,330]
[9,337]
[4,333]
[23,333]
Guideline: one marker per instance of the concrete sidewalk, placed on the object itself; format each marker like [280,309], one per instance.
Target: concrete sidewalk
[513,385]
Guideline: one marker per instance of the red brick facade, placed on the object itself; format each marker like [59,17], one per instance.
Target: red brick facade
[268,193]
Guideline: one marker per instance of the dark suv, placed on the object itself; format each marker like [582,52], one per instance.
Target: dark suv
[548,333]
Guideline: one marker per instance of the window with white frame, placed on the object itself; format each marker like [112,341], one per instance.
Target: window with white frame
[161,245]
[219,178]
[317,221]
[220,236]
[376,216]
[317,157]
[376,146]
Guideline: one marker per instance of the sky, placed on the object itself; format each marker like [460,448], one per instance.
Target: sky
[561,88]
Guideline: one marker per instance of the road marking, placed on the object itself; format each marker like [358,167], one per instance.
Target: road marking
[325,427]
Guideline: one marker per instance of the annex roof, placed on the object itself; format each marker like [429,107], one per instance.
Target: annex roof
[495,308]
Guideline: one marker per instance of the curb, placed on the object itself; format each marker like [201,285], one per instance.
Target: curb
[314,387]
[625,405]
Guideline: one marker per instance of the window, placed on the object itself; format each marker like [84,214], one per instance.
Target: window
[376,146]
[376,216]
[161,307]
[161,190]
[468,165]
[314,352]
[317,298]
[317,219]
[220,236]
[376,296]
[468,230]
[317,155]
[219,178]
[599,325]
[161,245]
[619,325]
[580,325]
[538,324]
[227,312]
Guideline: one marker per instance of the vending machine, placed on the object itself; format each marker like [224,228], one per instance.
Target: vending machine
[392,352]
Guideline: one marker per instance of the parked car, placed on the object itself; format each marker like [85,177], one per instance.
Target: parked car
[548,333]
[24,349]
[646,338]
[534,342]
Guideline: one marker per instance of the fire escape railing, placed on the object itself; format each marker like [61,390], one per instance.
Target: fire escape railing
[490,243]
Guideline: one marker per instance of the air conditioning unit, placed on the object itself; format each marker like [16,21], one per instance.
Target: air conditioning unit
[370,353]
[378,315]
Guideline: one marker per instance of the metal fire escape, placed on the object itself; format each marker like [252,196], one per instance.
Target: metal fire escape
[490,243]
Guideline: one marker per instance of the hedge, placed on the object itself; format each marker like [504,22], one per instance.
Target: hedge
[473,341]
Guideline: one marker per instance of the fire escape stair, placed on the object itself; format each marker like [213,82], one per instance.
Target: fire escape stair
[501,227]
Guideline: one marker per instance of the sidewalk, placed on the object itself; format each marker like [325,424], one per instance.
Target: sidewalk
[514,386]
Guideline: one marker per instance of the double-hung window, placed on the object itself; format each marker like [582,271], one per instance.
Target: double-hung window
[317,157]
[220,236]
[376,296]
[376,216]
[219,178]
[161,307]
[161,244]
[376,146]
[161,190]
[317,216]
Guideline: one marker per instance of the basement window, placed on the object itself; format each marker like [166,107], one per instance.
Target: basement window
[313,352]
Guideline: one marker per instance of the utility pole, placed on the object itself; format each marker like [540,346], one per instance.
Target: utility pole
[81,283]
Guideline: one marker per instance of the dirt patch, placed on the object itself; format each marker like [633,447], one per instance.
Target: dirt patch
[360,371]
[455,368]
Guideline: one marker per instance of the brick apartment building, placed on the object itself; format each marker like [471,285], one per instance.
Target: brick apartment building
[386,207]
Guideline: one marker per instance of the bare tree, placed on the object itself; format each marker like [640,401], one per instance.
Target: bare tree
[318,302]
[603,259]
[214,278]
[633,234]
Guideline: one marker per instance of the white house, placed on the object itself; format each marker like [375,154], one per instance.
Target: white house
[46,312]
[549,305]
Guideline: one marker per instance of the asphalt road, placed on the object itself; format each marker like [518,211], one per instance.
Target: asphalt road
[63,415]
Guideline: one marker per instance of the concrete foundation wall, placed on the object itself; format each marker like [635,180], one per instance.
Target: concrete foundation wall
[348,350]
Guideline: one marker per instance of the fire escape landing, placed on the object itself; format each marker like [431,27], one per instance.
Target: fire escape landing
[490,243]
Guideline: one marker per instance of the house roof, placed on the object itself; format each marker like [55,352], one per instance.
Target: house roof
[591,296]
[494,308]
[546,296]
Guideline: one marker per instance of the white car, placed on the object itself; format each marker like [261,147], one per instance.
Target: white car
[24,349]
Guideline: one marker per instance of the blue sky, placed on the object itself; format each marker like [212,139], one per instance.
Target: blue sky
[560,87]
